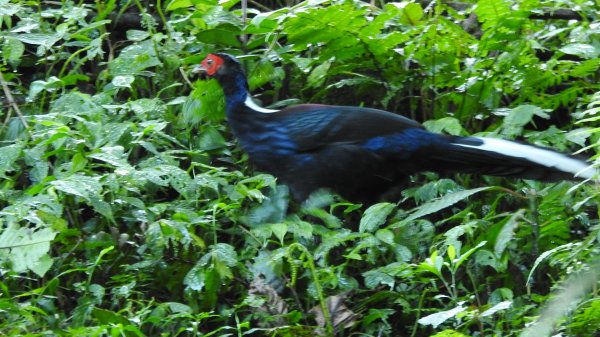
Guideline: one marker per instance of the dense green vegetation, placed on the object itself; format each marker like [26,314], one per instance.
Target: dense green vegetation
[128,210]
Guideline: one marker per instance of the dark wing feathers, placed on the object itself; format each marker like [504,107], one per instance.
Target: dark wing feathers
[313,126]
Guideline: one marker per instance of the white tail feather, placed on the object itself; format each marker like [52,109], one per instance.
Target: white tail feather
[250,103]
[578,168]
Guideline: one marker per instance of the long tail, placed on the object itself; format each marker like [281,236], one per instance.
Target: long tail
[500,157]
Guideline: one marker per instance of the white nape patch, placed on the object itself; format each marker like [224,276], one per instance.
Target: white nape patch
[578,168]
[250,103]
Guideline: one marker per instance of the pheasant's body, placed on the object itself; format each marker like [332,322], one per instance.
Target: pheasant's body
[362,153]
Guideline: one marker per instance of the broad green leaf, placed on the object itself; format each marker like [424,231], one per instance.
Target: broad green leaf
[123,81]
[225,253]
[109,317]
[548,253]
[206,102]
[484,257]
[375,216]
[195,279]
[210,139]
[440,203]
[318,75]
[449,333]
[402,253]
[220,37]
[507,232]
[36,87]
[491,12]
[581,49]
[450,125]
[12,50]
[45,40]
[411,12]
[500,306]
[301,229]
[79,185]
[374,278]
[176,4]
[466,255]
[113,155]
[432,264]
[520,116]
[263,72]
[8,155]
[145,106]
[440,317]
[10,9]
[26,248]
[385,235]
[77,103]
[279,230]
[179,308]
[451,252]
[137,35]
[133,59]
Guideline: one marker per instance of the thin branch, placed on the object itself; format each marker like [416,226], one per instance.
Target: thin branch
[11,101]
[556,14]
[259,5]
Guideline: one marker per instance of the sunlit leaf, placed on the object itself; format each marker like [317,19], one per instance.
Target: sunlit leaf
[375,216]
[26,248]
[440,317]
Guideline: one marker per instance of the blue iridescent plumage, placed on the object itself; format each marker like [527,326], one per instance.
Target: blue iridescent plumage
[363,153]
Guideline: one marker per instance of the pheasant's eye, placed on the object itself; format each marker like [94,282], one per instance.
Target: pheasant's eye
[209,62]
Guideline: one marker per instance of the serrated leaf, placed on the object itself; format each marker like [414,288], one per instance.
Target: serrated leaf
[375,216]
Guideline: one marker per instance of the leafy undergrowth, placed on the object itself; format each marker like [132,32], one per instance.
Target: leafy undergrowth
[128,210]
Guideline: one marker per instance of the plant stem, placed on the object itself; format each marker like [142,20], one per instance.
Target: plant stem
[12,102]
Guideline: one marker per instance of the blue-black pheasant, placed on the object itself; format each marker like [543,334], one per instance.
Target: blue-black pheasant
[362,153]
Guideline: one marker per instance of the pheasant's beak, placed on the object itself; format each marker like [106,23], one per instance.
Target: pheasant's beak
[200,71]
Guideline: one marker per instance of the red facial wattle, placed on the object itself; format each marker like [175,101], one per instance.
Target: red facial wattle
[211,64]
